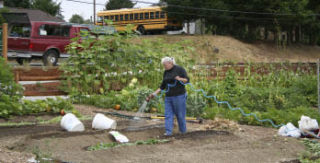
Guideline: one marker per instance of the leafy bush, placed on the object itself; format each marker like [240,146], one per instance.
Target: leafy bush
[312,155]
[128,99]
[48,105]
[281,96]
[11,98]
[97,62]
[195,104]
[10,92]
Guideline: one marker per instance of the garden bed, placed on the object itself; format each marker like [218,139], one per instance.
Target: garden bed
[247,144]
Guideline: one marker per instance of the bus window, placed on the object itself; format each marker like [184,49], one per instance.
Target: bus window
[131,16]
[100,18]
[146,15]
[112,17]
[126,16]
[162,15]
[136,16]
[141,16]
[157,14]
[121,17]
[116,17]
[151,15]
[106,17]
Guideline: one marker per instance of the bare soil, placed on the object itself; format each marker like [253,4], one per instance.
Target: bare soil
[214,48]
[211,141]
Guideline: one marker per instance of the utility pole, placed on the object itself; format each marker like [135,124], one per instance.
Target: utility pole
[94,12]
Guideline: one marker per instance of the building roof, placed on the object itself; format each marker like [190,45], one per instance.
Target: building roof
[36,15]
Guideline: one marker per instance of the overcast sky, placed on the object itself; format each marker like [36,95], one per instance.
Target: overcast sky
[86,10]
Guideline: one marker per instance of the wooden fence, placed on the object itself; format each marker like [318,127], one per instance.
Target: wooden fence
[53,74]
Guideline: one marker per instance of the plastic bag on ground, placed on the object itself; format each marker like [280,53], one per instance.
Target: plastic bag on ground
[101,122]
[307,124]
[71,123]
[289,130]
[119,137]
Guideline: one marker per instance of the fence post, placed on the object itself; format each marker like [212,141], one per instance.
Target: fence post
[5,41]
[318,77]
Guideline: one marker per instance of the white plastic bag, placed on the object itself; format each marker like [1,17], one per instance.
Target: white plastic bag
[119,137]
[71,123]
[307,124]
[101,122]
[289,130]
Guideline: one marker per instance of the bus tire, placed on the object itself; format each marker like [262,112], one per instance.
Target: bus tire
[50,58]
[141,30]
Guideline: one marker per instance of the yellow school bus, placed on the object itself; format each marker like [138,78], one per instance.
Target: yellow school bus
[144,20]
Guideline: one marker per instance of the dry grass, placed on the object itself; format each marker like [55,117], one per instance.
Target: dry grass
[233,50]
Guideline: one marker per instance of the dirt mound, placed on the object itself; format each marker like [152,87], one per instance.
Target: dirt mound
[221,124]
[212,49]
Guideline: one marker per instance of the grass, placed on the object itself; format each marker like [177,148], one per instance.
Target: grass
[312,153]
[104,146]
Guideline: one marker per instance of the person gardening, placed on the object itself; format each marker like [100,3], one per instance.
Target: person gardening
[174,78]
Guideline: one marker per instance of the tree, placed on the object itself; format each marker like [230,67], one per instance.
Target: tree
[3,10]
[181,13]
[118,4]
[87,21]
[47,6]
[17,3]
[76,19]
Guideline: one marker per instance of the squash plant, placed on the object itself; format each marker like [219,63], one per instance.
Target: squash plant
[95,62]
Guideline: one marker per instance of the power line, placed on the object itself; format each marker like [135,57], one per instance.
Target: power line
[205,9]
[90,3]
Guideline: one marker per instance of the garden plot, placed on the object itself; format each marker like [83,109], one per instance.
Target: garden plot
[207,142]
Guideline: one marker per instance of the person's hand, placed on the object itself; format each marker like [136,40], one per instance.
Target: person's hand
[151,96]
[177,78]
[181,79]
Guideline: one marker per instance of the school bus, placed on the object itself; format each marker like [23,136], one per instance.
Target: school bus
[144,20]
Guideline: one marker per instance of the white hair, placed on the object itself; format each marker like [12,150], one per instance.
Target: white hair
[168,59]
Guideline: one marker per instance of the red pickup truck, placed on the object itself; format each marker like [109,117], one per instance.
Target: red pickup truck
[45,40]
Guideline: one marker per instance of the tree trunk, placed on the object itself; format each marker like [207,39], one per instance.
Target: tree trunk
[265,33]
[300,37]
[202,26]
[188,27]
[289,36]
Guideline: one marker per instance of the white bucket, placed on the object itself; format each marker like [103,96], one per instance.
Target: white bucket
[101,122]
[71,123]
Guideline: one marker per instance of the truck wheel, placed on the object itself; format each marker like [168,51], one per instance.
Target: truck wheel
[50,58]
[141,30]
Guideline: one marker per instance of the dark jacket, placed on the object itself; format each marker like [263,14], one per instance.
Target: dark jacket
[169,78]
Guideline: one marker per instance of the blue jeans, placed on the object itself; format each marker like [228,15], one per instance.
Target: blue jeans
[175,105]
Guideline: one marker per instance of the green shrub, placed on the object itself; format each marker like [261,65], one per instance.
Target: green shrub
[117,58]
[48,105]
[10,92]
[11,97]
[195,104]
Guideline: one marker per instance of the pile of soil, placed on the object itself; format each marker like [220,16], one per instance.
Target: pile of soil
[214,48]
